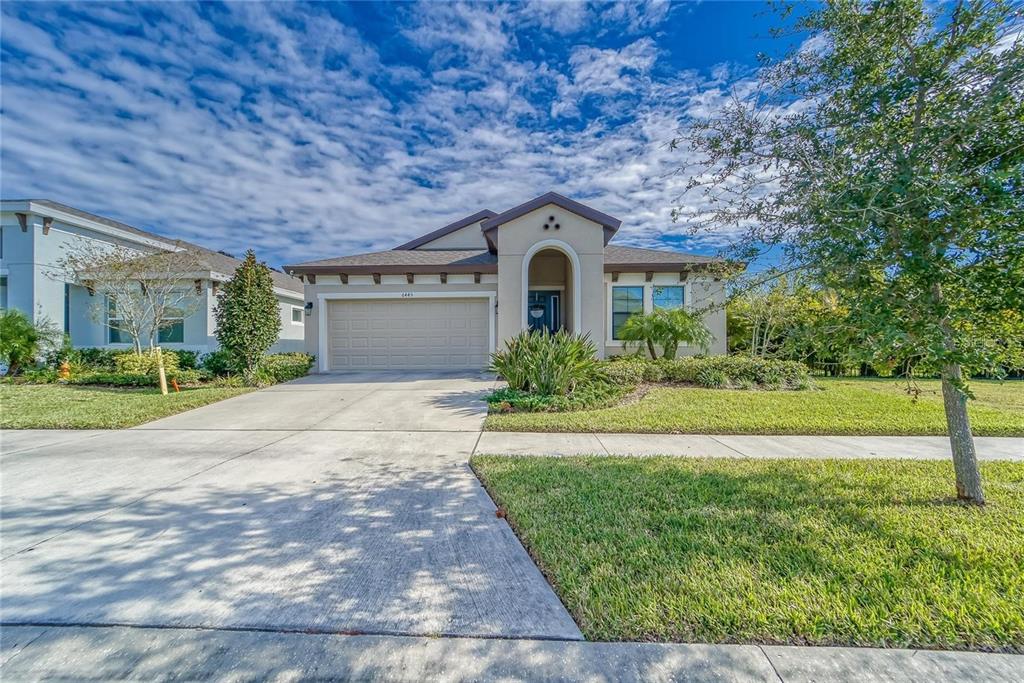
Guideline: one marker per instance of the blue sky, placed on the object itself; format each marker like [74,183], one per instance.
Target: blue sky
[309,131]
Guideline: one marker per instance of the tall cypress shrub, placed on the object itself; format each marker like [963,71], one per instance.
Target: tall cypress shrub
[248,321]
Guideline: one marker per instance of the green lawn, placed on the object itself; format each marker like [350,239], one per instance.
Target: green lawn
[848,406]
[784,551]
[56,406]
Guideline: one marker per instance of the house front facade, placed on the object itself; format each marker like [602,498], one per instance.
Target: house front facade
[448,299]
[35,234]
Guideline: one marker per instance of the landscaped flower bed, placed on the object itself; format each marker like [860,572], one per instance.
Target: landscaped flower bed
[554,373]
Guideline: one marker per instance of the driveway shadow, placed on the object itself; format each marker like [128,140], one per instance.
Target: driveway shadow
[349,545]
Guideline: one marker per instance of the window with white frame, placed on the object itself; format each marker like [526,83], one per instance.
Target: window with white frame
[115,335]
[172,330]
[626,301]
[297,315]
[667,297]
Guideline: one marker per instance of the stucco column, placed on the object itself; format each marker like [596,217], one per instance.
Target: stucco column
[510,297]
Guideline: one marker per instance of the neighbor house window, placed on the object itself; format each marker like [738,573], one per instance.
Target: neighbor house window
[114,334]
[173,330]
[625,302]
[667,297]
[297,315]
[3,292]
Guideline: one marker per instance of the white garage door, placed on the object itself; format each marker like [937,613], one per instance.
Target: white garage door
[408,334]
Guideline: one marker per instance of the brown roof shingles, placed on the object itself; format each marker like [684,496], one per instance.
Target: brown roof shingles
[464,261]
[405,261]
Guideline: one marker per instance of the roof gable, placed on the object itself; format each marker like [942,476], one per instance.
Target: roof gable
[609,223]
[446,230]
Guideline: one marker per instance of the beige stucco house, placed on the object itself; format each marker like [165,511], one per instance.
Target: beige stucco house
[446,300]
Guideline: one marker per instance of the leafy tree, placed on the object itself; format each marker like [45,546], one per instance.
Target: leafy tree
[666,329]
[139,292]
[248,320]
[787,317]
[885,157]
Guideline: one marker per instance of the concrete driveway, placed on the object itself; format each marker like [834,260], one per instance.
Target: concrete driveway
[335,504]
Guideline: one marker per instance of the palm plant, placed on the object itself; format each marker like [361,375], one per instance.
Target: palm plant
[666,329]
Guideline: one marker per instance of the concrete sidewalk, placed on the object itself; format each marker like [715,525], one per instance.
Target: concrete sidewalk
[125,653]
[726,446]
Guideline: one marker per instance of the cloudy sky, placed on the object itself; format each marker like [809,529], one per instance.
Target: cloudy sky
[310,131]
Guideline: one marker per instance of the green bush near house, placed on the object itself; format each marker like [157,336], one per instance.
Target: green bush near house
[713,372]
[22,341]
[248,322]
[146,363]
[217,363]
[283,367]
[547,364]
[595,394]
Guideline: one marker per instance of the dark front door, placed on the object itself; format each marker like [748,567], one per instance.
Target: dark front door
[543,311]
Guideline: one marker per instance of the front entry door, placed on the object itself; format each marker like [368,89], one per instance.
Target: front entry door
[543,311]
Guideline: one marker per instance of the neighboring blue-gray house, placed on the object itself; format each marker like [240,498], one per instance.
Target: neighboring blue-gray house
[34,236]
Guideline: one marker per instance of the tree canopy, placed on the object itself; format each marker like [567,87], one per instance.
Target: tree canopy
[885,158]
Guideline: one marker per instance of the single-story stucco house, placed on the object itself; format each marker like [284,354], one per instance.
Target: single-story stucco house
[34,235]
[446,300]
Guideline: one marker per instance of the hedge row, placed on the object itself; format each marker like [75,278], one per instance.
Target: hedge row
[717,372]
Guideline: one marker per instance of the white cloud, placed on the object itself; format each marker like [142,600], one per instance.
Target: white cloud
[304,142]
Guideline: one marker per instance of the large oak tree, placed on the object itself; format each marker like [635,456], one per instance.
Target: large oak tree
[885,157]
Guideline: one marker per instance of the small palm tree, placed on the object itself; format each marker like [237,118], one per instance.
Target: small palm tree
[666,329]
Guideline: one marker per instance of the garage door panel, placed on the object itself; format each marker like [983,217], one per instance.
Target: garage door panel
[422,334]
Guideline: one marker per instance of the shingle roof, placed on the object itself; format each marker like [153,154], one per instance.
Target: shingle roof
[406,260]
[615,255]
[214,260]
[466,260]
[450,228]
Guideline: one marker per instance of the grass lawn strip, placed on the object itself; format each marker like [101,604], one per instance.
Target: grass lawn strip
[862,553]
[56,406]
[841,407]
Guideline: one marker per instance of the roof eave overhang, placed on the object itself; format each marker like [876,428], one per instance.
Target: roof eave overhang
[391,269]
[663,267]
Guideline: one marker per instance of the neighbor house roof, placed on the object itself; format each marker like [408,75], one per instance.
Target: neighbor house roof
[215,261]
[450,228]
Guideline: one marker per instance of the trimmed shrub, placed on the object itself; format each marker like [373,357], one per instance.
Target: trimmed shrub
[282,367]
[739,372]
[96,358]
[188,360]
[717,372]
[145,363]
[547,364]
[596,394]
[218,363]
[114,379]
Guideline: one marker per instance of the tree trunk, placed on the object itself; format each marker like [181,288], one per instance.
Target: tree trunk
[651,349]
[965,460]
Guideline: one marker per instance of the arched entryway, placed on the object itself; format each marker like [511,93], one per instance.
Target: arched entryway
[551,287]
